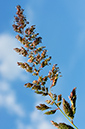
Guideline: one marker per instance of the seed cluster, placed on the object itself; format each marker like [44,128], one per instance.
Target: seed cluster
[37,59]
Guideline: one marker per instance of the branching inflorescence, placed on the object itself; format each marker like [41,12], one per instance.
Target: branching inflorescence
[37,60]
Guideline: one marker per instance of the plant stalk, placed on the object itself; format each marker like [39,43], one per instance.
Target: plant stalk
[65,116]
[63,112]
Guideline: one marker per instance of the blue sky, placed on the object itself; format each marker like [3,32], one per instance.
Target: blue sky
[61,24]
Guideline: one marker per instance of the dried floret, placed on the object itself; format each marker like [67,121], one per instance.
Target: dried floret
[42,107]
[67,109]
[28,85]
[61,125]
[59,97]
[72,98]
[50,112]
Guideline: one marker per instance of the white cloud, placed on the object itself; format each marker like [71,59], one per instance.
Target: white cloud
[8,100]
[20,125]
[8,72]
[8,58]
[30,9]
[37,118]
[45,125]
[38,121]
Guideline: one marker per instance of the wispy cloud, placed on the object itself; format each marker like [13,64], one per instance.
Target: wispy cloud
[20,125]
[8,100]
[8,58]
[8,72]
[31,8]
[37,118]
[38,121]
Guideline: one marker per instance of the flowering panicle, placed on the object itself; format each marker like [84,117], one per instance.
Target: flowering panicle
[37,59]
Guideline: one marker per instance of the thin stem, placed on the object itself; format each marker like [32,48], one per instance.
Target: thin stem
[62,112]
[65,116]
